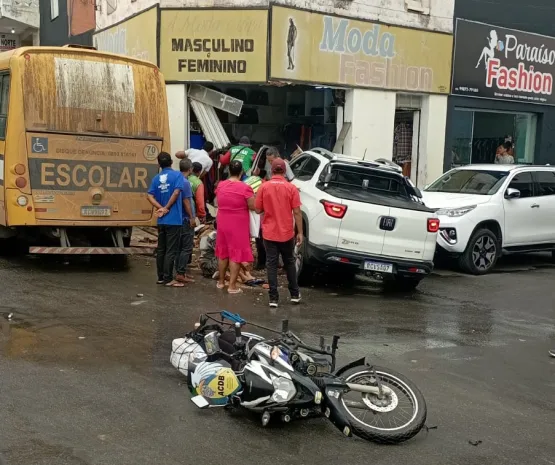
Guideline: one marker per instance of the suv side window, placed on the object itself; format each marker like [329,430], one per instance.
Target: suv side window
[546,182]
[523,182]
[297,164]
[308,170]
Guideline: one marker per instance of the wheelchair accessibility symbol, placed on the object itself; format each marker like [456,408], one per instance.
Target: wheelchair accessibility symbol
[40,145]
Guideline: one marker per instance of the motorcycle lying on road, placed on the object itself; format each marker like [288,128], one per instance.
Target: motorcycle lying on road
[284,377]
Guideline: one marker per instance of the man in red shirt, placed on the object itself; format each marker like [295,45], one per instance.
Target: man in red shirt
[279,200]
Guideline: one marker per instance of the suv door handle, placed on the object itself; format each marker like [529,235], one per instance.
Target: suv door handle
[535,205]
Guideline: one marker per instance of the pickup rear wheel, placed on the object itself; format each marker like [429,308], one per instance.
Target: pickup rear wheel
[304,269]
[401,284]
[481,253]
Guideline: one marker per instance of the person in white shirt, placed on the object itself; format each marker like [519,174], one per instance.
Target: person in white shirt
[199,156]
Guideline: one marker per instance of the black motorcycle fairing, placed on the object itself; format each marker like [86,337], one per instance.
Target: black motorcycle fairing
[255,387]
[332,389]
[356,363]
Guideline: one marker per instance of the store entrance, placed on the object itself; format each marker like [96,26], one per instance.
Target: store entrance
[476,136]
[286,117]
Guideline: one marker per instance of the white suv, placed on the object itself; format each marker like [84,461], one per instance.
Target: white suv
[363,216]
[488,210]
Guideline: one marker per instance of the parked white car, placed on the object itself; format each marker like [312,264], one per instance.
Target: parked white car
[488,210]
[362,216]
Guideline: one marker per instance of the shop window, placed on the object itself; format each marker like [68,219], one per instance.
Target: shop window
[523,182]
[4,100]
[308,170]
[476,136]
[546,182]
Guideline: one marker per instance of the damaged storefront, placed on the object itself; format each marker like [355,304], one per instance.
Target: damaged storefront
[295,78]
[227,51]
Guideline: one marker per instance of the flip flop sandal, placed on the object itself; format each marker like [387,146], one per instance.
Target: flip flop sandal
[175,284]
[220,286]
[160,282]
[236,291]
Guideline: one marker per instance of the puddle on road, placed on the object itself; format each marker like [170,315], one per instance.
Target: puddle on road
[57,343]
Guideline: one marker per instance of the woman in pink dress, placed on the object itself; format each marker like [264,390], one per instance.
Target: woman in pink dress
[233,243]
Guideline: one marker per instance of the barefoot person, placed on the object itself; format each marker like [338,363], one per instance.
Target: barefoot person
[233,244]
[165,195]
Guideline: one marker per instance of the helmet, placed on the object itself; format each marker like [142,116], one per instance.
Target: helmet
[215,381]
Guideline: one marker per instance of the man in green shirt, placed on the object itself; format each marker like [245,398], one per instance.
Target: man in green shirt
[241,152]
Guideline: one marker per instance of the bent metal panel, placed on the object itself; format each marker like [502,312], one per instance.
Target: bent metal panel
[503,64]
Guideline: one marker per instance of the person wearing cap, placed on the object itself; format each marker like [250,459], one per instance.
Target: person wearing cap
[242,153]
[280,203]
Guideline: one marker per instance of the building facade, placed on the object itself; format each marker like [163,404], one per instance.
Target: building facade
[502,88]
[369,79]
[65,22]
[19,23]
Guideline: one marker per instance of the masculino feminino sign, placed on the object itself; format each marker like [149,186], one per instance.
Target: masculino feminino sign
[503,64]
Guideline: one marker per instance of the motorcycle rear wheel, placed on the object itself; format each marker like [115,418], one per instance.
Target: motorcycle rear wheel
[378,428]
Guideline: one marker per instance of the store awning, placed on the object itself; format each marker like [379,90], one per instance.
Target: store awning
[210,124]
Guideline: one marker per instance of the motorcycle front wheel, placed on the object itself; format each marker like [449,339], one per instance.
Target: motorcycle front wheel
[390,420]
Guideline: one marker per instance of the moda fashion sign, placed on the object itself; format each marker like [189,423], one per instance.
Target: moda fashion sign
[504,64]
[319,48]
[214,45]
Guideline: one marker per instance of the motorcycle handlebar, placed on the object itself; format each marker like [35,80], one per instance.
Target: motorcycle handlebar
[238,333]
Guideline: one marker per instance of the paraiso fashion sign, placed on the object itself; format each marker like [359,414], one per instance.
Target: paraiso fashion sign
[504,64]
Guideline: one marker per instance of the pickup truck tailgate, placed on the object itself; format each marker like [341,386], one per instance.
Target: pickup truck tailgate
[407,234]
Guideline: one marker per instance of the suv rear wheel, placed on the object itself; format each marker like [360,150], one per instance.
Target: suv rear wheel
[481,253]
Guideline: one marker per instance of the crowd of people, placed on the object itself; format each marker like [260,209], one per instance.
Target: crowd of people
[252,203]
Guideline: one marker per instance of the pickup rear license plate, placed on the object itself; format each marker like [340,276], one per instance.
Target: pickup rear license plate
[96,211]
[377,266]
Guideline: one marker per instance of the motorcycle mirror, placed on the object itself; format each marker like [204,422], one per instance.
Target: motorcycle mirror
[211,343]
[322,342]
[284,326]
[202,320]
[274,354]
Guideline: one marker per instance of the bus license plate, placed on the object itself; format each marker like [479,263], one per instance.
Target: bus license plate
[377,266]
[96,211]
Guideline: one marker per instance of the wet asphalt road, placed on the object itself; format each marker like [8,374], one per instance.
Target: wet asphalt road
[85,375]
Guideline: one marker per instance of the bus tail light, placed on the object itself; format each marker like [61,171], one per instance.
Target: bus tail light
[21,183]
[19,169]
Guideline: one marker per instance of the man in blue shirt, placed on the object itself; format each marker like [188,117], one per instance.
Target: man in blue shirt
[165,194]
[188,229]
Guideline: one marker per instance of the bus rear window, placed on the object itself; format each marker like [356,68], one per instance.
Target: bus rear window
[77,93]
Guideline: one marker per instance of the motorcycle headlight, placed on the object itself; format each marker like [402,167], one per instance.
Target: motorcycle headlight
[455,212]
[284,390]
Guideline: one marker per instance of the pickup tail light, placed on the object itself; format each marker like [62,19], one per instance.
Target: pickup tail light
[335,210]
[433,225]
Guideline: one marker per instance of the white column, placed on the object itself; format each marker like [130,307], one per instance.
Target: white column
[178,113]
[432,138]
[372,117]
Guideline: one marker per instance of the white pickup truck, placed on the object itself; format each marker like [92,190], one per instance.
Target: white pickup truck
[362,217]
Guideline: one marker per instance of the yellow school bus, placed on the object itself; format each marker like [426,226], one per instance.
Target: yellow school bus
[80,132]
